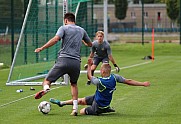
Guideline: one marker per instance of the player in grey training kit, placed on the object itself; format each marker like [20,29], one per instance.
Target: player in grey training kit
[69,60]
[100,52]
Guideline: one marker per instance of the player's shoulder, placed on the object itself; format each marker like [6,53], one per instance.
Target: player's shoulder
[116,75]
[95,42]
[106,42]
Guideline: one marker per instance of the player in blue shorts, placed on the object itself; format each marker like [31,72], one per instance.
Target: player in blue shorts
[100,52]
[106,85]
[68,61]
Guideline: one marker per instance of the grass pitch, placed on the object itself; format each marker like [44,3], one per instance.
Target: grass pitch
[157,104]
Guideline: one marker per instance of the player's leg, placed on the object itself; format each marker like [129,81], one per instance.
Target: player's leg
[81,101]
[74,72]
[74,91]
[105,60]
[91,110]
[46,88]
[57,71]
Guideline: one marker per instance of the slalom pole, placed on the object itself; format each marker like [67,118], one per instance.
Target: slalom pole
[152,56]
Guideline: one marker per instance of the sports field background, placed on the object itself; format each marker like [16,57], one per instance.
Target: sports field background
[157,104]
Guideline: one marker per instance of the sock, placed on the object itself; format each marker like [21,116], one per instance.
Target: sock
[46,87]
[63,103]
[75,105]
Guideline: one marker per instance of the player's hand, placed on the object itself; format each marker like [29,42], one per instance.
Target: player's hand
[38,50]
[146,84]
[117,68]
[90,61]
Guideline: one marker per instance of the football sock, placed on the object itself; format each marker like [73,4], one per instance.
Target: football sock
[63,103]
[46,87]
[75,105]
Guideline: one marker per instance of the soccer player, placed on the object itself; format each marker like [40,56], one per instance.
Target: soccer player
[68,61]
[106,85]
[100,52]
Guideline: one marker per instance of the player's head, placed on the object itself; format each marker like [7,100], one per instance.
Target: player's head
[105,69]
[100,36]
[69,17]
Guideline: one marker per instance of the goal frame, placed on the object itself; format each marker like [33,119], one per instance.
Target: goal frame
[29,80]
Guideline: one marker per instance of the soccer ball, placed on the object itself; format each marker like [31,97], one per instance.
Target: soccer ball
[44,107]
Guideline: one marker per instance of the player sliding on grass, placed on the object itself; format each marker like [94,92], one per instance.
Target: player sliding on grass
[100,52]
[106,85]
[68,61]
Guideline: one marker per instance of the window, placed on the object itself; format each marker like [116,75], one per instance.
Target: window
[159,16]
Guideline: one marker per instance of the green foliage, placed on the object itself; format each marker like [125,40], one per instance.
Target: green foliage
[121,7]
[101,1]
[5,9]
[162,1]
[172,9]
[149,1]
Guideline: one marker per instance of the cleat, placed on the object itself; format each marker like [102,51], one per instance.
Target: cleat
[85,66]
[74,113]
[88,82]
[110,109]
[56,101]
[40,94]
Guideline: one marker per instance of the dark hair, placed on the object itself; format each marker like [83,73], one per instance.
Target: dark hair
[70,17]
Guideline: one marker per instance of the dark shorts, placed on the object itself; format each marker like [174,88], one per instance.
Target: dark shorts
[97,60]
[65,66]
[94,109]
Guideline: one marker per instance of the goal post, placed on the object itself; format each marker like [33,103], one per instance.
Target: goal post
[41,21]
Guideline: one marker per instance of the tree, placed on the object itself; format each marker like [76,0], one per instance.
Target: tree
[172,10]
[5,9]
[121,8]
[149,1]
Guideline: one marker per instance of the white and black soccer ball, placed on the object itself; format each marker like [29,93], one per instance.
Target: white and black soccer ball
[44,107]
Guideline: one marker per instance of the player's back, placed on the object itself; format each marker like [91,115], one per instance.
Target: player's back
[71,40]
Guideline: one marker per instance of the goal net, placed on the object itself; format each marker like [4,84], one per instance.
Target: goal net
[41,21]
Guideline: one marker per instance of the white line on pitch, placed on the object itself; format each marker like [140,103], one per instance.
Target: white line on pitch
[98,71]
[135,65]
[60,86]
[23,98]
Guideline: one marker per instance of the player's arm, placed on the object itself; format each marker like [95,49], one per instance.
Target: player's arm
[109,52]
[89,63]
[114,63]
[86,40]
[111,59]
[93,79]
[136,83]
[121,79]
[89,44]
[91,55]
[50,43]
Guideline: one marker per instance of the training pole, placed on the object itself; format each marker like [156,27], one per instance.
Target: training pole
[152,56]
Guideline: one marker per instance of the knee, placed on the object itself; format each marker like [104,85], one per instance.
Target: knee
[82,111]
[73,84]
[81,101]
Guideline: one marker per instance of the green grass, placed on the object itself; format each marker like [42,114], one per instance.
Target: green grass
[157,104]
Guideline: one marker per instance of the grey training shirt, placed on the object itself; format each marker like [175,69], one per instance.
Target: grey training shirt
[72,36]
[101,50]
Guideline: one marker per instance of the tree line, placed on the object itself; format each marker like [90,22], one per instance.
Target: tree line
[172,7]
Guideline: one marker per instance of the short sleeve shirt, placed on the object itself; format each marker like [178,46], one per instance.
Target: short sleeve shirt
[101,50]
[72,36]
